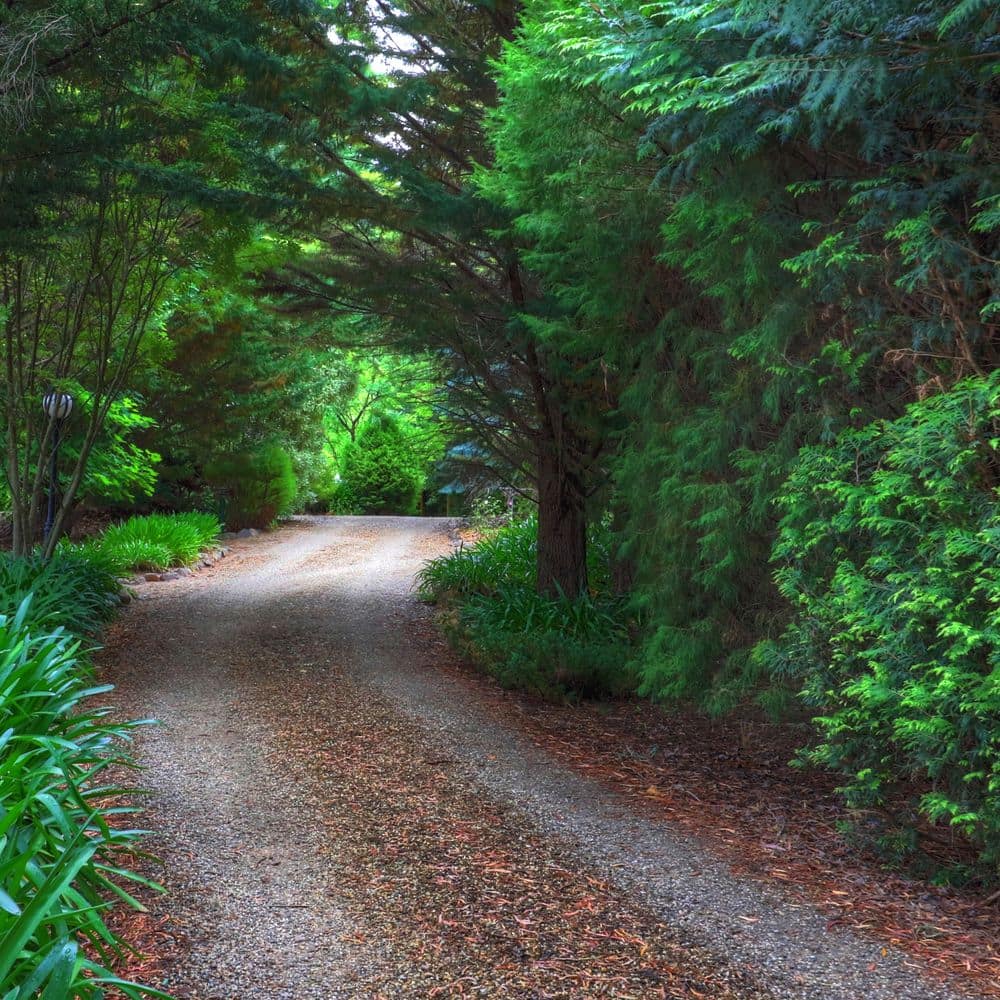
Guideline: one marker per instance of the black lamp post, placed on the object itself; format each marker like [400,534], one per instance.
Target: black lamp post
[57,406]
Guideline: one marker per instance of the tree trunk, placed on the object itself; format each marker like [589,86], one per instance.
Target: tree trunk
[562,529]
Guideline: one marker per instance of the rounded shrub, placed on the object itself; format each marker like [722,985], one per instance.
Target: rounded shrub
[260,486]
[380,473]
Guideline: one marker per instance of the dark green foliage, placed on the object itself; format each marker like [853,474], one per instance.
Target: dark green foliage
[549,645]
[807,238]
[777,222]
[240,375]
[142,145]
[545,644]
[61,860]
[70,591]
[258,487]
[889,552]
[381,471]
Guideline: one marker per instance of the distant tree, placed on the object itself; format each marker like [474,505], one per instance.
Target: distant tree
[381,472]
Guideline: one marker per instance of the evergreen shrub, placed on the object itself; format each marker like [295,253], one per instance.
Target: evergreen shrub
[380,471]
[260,486]
[889,552]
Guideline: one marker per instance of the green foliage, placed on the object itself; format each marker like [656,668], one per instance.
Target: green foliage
[501,558]
[158,125]
[381,470]
[63,840]
[788,257]
[258,486]
[69,591]
[118,469]
[551,646]
[889,553]
[548,645]
[153,542]
[240,375]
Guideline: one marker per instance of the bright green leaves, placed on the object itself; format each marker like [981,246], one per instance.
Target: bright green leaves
[58,849]
[888,552]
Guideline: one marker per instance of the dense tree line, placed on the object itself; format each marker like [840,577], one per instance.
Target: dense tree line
[778,228]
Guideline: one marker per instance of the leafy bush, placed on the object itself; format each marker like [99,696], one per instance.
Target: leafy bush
[315,482]
[70,590]
[549,645]
[59,851]
[260,486]
[155,541]
[889,551]
[504,557]
[118,469]
[380,471]
[527,640]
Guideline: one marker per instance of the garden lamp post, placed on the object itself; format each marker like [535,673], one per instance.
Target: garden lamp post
[57,406]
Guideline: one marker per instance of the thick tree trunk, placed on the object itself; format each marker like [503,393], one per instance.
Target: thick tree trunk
[562,529]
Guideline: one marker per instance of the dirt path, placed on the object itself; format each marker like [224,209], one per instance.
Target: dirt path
[339,819]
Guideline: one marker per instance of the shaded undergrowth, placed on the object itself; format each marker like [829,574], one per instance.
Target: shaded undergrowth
[550,645]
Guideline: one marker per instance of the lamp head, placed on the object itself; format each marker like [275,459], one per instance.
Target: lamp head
[57,405]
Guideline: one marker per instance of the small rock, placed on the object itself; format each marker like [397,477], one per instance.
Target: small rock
[228,534]
[248,533]
[172,575]
[152,577]
[224,552]
[184,571]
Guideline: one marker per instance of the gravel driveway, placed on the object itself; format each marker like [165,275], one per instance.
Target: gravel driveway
[336,818]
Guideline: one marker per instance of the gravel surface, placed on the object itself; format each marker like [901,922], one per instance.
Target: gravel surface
[337,818]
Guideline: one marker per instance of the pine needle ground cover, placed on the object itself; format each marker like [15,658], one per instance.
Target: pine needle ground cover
[725,781]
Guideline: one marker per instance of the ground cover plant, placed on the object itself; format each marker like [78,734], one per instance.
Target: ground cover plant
[552,645]
[63,836]
[152,541]
[71,590]
[65,833]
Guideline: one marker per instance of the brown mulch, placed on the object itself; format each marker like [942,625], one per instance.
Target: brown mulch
[470,903]
[728,783]
[154,944]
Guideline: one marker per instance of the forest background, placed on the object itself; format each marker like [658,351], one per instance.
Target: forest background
[711,288]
